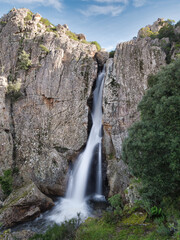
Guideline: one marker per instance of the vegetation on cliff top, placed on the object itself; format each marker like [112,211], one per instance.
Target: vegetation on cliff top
[75,37]
[167,31]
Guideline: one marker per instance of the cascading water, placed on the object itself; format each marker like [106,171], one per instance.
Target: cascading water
[75,200]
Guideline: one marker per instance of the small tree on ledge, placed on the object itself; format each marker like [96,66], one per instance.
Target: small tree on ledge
[24,60]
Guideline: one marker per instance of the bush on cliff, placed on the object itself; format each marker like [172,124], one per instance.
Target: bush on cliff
[24,60]
[152,149]
[6,182]
[97,45]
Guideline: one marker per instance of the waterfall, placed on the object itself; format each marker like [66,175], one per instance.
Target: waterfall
[75,199]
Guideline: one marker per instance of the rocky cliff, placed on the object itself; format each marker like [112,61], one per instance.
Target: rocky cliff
[46,79]
[125,84]
[46,82]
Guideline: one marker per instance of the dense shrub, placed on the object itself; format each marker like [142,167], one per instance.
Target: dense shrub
[111,54]
[116,201]
[152,149]
[13,90]
[66,230]
[146,32]
[72,35]
[6,182]
[167,31]
[24,60]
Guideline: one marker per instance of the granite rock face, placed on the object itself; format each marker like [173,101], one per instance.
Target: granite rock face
[6,143]
[43,124]
[125,84]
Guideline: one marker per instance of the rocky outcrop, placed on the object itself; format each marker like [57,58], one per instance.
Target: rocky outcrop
[154,28]
[101,57]
[125,84]
[44,122]
[6,143]
[24,204]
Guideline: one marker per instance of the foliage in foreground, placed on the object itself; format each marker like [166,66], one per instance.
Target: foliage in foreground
[66,230]
[122,223]
[152,149]
[132,224]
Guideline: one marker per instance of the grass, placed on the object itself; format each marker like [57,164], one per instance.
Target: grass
[86,42]
[46,22]
[72,35]
[97,45]
[43,48]
[133,223]
[94,229]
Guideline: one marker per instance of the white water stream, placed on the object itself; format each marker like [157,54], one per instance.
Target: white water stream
[75,200]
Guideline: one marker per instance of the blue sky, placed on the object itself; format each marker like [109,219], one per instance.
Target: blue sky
[105,21]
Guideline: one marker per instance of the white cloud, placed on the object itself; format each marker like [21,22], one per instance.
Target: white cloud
[139,3]
[93,10]
[112,1]
[110,48]
[54,3]
[109,7]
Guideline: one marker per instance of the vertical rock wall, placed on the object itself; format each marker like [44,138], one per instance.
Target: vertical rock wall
[49,116]
[125,84]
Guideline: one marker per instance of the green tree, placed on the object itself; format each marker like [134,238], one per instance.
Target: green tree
[167,31]
[152,148]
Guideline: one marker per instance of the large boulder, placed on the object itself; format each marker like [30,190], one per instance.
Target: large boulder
[23,205]
[101,58]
